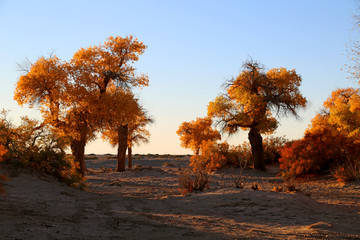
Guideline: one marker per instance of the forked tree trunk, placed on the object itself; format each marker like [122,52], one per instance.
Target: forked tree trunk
[129,158]
[78,150]
[122,146]
[257,149]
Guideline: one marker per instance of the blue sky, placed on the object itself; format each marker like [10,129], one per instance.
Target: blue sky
[193,47]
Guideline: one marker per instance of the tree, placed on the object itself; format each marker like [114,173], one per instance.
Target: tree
[72,95]
[123,112]
[354,49]
[251,100]
[138,133]
[193,134]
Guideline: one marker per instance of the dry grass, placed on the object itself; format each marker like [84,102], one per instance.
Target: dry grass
[193,180]
[349,171]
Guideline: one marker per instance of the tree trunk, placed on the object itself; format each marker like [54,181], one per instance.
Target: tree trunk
[197,151]
[257,149]
[129,158]
[78,150]
[122,146]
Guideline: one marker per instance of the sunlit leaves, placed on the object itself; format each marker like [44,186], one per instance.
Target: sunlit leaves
[79,96]
[193,134]
[344,111]
[331,142]
[252,101]
[254,96]
[110,63]
[44,85]
[122,109]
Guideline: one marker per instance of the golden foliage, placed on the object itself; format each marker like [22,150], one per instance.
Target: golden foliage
[3,151]
[254,96]
[344,108]
[215,156]
[193,134]
[33,145]
[124,109]
[76,97]
[331,142]
[252,101]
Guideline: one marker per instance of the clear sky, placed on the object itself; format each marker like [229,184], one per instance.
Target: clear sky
[193,47]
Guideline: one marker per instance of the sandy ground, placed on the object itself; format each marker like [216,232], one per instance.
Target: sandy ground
[146,204]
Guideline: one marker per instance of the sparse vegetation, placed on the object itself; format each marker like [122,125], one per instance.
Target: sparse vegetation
[2,177]
[168,164]
[33,145]
[239,180]
[193,180]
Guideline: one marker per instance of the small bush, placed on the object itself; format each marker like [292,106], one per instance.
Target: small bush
[215,156]
[3,151]
[256,187]
[348,171]
[168,164]
[137,167]
[105,169]
[239,180]
[193,180]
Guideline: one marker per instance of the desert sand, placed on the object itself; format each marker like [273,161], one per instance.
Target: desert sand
[146,204]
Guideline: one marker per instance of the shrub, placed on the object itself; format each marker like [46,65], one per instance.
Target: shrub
[348,171]
[322,150]
[215,156]
[2,177]
[239,180]
[168,164]
[33,145]
[244,155]
[193,180]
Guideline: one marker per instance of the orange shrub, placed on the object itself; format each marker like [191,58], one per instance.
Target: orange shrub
[215,156]
[322,149]
[3,151]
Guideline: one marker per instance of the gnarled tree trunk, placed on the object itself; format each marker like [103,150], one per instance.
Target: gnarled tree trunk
[122,146]
[78,150]
[129,157]
[257,149]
